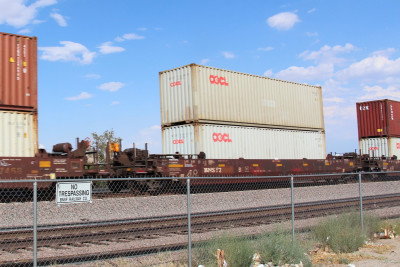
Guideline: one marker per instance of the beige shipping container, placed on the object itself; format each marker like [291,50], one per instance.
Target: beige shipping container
[233,142]
[18,134]
[195,93]
[381,146]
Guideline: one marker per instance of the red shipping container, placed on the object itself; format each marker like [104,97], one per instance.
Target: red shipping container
[380,118]
[18,72]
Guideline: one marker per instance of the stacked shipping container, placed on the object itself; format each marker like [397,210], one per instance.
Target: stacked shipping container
[379,127]
[18,96]
[228,114]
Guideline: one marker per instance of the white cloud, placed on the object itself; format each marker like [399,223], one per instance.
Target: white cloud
[93,76]
[204,61]
[59,19]
[111,86]
[132,36]
[265,49]
[337,113]
[375,68]
[150,135]
[114,103]
[384,53]
[142,29]
[283,21]
[83,95]
[378,92]
[334,99]
[268,73]
[107,48]
[18,14]
[119,39]
[25,31]
[312,10]
[328,54]
[311,34]
[129,36]
[311,73]
[70,51]
[228,54]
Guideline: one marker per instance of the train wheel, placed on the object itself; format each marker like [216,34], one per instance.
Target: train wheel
[137,188]
[156,186]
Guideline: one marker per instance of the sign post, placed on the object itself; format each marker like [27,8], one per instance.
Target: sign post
[74,192]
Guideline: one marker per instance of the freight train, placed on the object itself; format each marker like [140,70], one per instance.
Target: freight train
[64,163]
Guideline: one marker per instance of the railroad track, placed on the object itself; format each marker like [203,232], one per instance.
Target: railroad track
[56,236]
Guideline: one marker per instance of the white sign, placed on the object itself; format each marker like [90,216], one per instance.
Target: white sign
[74,192]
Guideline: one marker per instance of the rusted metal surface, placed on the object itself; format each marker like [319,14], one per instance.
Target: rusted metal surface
[380,118]
[18,134]
[196,93]
[18,72]
[233,142]
[43,166]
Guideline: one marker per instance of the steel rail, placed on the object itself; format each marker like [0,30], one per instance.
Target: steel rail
[142,228]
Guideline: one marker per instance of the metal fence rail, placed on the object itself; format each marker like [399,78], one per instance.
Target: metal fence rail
[120,220]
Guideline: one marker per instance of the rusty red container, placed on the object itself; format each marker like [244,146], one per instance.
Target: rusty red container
[380,118]
[18,72]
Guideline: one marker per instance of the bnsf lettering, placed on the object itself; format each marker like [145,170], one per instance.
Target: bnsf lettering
[221,137]
[218,80]
[178,141]
[212,170]
[175,83]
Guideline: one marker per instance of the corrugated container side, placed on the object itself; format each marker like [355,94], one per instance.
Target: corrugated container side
[195,93]
[232,142]
[18,134]
[379,118]
[382,146]
[18,72]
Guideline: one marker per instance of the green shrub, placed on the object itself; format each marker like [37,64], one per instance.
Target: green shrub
[238,252]
[343,234]
[277,247]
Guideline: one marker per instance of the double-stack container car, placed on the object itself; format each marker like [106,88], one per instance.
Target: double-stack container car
[18,96]
[257,115]
[233,142]
[379,127]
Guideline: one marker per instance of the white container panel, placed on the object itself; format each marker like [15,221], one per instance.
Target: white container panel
[195,93]
[18,134]
[232,142]
[377,147]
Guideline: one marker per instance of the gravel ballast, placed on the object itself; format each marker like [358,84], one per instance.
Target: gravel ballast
[21,214]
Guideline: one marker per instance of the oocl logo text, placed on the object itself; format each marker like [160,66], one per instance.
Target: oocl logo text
[177,141]
[214,79]
[221,137]
[175,83]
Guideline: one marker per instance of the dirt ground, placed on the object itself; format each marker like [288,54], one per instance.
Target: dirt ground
[377,253]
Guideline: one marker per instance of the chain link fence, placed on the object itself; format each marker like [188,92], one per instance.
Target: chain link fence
[151,220]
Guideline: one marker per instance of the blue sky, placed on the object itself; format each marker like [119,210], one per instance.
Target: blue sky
[99,60]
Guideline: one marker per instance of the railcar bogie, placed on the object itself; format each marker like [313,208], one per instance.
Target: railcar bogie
[149,169]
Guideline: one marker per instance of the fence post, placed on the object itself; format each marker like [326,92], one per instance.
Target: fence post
[189,223]
[361,203]
[292,199]
[35,223]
